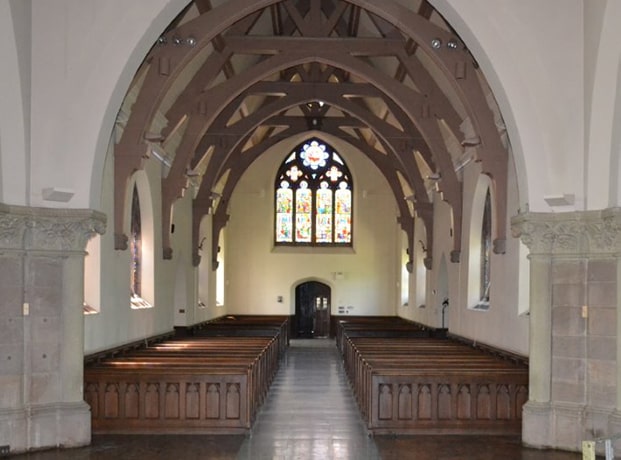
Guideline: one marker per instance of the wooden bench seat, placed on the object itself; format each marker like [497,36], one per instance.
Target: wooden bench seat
[191,399]
[211,384]
[421,384]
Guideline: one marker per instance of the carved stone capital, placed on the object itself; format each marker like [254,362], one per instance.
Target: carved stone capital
[12,229]
[48,229]
[570,233]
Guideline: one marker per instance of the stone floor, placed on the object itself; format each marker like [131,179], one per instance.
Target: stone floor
[309,414]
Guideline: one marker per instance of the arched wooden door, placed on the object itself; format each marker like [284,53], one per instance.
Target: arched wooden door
[312,309]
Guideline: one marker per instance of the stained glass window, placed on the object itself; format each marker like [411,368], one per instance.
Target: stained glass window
[135,246]
[313,201]
[486,247]
[303,213]
[284,211]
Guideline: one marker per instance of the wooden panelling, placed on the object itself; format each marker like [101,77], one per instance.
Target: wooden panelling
[203,383]
[411,382]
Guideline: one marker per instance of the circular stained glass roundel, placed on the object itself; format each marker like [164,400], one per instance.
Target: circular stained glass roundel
[314,155]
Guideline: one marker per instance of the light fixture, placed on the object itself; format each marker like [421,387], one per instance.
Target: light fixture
[452,44]
[471,141]
[436,43]
[178,40]
[161,157]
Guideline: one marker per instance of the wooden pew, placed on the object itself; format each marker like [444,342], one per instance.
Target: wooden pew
[425,385]
[212,384]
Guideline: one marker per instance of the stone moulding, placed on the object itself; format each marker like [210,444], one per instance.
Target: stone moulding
[570,233]
[26,228]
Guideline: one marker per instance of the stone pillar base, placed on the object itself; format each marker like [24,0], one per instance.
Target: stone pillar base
[537,425]
[614,428]
[554,426]
[46,426]
[13,429]
[569,426]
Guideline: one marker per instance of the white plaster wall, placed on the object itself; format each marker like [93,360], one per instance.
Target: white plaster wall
[84,54]
[187,280]
[504,325]
[438,288]
[14,100]
[603,109]
[256,273]
[117,323]
[531,53]
[207,278]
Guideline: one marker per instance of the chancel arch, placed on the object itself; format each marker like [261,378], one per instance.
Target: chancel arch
[434,120]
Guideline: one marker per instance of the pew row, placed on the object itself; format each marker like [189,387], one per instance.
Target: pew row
[430,385]
[200,385]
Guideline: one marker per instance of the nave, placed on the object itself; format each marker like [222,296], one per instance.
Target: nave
[309,413]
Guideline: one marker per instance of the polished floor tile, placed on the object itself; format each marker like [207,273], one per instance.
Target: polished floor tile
[309,414]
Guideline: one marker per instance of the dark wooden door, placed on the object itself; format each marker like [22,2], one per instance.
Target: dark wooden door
[312,309]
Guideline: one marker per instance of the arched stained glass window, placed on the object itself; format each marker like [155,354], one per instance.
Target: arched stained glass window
[486,247]
[135,246]
[313,197]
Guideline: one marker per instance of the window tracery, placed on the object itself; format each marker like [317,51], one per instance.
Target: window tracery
[313,194]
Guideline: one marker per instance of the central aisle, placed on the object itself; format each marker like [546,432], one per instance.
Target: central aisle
[310,412]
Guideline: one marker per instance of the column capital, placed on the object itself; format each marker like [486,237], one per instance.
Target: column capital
[570,233]
[48,229]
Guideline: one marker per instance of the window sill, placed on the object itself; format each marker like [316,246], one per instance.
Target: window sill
[89,310]
[313,249]
[138,303]
[481,306]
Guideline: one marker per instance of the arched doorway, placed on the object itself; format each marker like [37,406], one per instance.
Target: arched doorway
[312,309]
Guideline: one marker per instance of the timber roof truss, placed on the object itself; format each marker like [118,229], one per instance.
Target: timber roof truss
[224,83]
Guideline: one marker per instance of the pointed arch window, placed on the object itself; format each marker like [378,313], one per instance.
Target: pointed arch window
[313,192]
[486,248]
[135,246]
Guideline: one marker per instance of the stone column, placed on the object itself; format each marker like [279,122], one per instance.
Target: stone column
[536,412]
[615,419]
[42,326]
[573,298]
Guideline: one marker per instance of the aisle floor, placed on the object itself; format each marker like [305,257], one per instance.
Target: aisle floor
[309,414]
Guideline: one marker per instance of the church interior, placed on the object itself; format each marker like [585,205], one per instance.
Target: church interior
[359,172]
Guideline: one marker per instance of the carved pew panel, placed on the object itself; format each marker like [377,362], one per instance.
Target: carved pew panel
[443,404]
[150,402]
[193,384]
[407,383]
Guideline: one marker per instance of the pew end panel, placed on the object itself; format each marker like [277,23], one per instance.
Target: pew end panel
[448,403]
[147,402]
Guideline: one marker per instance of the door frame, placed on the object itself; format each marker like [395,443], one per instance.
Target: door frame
[294,306]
